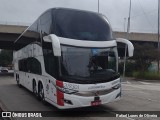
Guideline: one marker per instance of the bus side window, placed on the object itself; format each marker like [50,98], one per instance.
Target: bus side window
[34,66]
[23,65]
[28,65]
[20,65]
[45,23]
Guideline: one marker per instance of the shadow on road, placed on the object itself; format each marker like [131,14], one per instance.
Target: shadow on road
[6,74]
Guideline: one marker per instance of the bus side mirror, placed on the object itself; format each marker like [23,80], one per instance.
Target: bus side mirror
[122,47]
[55,43]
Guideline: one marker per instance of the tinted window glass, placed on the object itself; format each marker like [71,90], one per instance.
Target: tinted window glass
[81,25]
[50,61]
[31,65]
[88,65]
[46,23]
[34,66]
[22,65]
[85,62]
[31,35]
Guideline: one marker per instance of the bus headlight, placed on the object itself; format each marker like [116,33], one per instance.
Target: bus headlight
[66,90]
[117,86]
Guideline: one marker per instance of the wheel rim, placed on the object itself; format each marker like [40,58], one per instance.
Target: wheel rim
[41,92]
[34,88]
[18,82]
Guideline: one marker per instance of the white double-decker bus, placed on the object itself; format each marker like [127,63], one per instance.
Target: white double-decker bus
[69,58]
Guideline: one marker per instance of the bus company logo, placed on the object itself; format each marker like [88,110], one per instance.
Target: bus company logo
[96,87]
[71,86]
[97,93]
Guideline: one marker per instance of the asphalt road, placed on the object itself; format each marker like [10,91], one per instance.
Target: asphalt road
[136,96]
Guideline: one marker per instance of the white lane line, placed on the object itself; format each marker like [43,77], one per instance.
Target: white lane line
[147,83]
[144,87]
[129,82]
[143,92]
[126,82]
[148,99]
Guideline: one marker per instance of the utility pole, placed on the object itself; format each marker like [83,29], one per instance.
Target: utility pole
[127,37]
[125,25]
[98,6]
[129,19]
[158,34]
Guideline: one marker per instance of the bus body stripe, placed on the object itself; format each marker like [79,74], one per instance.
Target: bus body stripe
[60,95]
[59,83]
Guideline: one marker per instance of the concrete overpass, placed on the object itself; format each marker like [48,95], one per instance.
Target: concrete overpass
[143,37]
[9,33]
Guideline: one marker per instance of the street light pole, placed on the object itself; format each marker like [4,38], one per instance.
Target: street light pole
[129,18]
[158,32]
[98,6]
[124,24]
[127,37]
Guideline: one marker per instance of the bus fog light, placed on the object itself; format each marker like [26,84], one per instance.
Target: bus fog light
[68,101]
[116,86]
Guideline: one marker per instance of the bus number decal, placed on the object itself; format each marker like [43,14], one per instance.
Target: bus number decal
[71,86]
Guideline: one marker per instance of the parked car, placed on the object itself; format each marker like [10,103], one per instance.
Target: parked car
[4,70]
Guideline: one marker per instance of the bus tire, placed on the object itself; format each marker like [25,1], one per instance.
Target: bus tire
[41,93]
[18,83]
[34,88]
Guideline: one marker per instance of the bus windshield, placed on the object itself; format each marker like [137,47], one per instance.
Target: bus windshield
[88,65]
[81,25]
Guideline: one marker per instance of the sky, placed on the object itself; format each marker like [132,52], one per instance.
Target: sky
[144,13]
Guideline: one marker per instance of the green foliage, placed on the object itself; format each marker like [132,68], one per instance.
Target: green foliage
[6,57]
[144,55]
[130,68]
[147,75]
[139,64]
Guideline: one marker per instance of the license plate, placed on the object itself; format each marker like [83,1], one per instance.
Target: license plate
[94,103]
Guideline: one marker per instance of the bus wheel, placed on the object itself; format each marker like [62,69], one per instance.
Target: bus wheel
[34,88]
[41,93]
[17,79]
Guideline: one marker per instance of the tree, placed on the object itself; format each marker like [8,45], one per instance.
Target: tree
[144,55]
[6,57]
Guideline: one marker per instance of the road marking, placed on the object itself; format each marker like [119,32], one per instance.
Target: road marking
[148,99]
[143,92]
[146,83]
[129,82]
[126,82]
[144,87]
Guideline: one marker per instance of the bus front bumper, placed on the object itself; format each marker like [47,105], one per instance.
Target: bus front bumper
[76,101]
